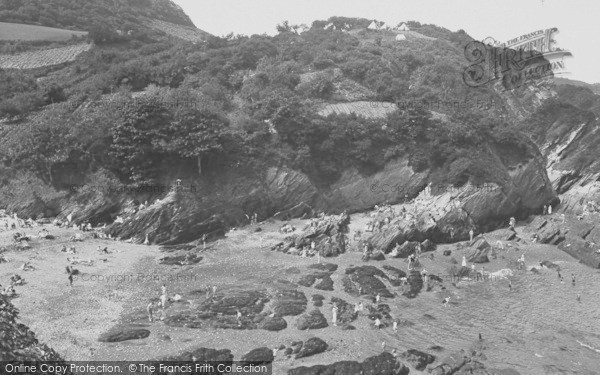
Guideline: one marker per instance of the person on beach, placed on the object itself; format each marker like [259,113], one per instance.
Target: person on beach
[471,235]
[150,309]
[163,301]
[163,289]
[70,279]
[239,317]
[377,298]
[550,209]
[395,326]
[334,311]
[445,301]
[464,261]
[512,222]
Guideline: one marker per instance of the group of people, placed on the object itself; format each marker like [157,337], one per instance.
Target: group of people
[9,290]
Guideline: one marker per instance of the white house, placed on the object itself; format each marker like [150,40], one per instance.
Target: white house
[400,37]
[403,27]
[373,26]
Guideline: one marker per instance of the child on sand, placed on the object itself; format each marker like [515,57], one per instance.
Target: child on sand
[149,309]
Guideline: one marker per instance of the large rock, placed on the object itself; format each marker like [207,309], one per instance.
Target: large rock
[550,233]
[123,334]
[365,280]
[258,356]
[382,364]
[406,249]
[276,323]
[419,360]
[312,320]
[312,346]
[289,302]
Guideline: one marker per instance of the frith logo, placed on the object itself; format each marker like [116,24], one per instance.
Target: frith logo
[529,57]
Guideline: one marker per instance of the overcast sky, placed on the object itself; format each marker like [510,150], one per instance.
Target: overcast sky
[576,20]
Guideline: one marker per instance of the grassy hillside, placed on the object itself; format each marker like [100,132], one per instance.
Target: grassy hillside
[84,14]
[16,31]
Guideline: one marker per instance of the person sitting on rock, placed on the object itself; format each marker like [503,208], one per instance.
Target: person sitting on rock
[377,323]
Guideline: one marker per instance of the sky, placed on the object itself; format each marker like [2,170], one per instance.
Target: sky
[576,20]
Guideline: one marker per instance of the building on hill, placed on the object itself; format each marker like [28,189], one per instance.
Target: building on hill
[403,27]
[373,26]
[400,37]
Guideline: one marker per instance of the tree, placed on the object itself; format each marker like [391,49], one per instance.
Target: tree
[195,134]
[134,150]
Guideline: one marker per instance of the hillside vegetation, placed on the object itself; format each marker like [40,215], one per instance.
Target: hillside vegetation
[182,109]
[16,31]
[84,14]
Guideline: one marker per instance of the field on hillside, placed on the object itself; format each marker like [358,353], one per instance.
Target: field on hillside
[47,57]
[182,32]
[361,108]
[19,31]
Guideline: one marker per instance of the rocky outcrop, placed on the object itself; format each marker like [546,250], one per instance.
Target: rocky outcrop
[480,254]
[366,280]
[229,198]
[311,347]
[124,334]
[17,342]
[258,356]
[382,364]
[417,359]
[312,320]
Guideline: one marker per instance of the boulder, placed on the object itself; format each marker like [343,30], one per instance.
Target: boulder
[317,300]
[427,246]
[378,255]
[550,233]
[479,256]
[312,320]
[382,364]
[346,312]
[328,267]
[326,283]
[275,323]
[419,360]
[367,279]
[213,356]
[406,249]
[258,356]
[119,334]
[289,302]
[312,346]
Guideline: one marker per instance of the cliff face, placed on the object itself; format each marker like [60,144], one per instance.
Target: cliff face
[566,131]
[229,199]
